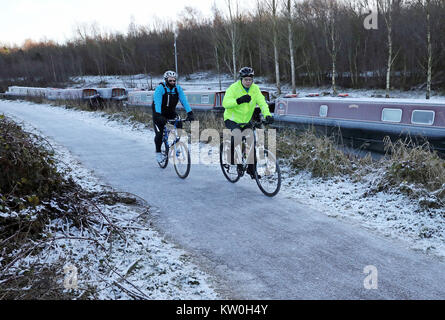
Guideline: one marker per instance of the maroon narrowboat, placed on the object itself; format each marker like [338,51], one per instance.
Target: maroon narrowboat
[365,122]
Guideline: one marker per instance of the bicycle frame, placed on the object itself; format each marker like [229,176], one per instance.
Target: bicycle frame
[253,147]
[179,153]
[167,133]
[267,172]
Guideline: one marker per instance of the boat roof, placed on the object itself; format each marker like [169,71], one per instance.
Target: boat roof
[434,102]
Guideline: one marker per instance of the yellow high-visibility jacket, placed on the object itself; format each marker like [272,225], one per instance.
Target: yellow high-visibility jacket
[242,113]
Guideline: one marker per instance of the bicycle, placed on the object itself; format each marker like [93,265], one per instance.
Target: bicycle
[266,168]
[180,152]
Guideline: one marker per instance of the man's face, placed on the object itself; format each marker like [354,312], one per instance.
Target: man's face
[171,81]
[247,82]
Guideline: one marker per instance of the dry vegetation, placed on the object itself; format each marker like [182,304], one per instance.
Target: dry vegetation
[32,194]
[414,170]
[319,155]
[407,167]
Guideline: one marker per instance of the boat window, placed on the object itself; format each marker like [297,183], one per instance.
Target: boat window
[323,111]
[392,115]
[117,92]
[205,99]
[147,98]
[422,117]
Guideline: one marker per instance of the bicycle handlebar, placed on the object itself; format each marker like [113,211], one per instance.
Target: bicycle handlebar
[178,119]
[253,124]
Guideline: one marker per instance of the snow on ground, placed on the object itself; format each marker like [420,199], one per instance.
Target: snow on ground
[210,81]
[144,265]
[161,271]
[391,214]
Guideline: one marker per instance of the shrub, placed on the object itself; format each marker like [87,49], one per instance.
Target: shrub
[409,163]
[28,173]
[319,155]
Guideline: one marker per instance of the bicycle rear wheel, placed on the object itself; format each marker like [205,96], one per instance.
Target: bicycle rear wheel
[267,173]
[164,152]
[230,171]
[181,159]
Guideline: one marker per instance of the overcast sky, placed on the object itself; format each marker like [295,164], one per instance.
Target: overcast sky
[56,19]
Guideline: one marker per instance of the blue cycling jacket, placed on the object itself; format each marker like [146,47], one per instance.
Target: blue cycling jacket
[160,91]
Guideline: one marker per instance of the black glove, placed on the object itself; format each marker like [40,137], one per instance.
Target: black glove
[190,116]
[160,119]
[269,120]
[243,99]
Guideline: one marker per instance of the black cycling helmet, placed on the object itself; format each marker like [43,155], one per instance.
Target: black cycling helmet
[246,72]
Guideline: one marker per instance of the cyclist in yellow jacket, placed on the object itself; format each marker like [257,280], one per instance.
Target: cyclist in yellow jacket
[240,101]
[241,98]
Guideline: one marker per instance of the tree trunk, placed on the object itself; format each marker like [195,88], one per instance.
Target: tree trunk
[217,67]
[234,55]
[351,68]
[275,46]
[388,19]
[291,47]
[334,58]
[388,70]
[54,69]
[277,67]
[430,51]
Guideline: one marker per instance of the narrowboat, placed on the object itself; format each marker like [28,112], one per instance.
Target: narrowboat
[364,122]
[204,100]
[16,91]
[116,93]
[141,98]
[198,100]
[63,94]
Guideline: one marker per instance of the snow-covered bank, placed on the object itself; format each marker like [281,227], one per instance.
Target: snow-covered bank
[390,214]
[136,263]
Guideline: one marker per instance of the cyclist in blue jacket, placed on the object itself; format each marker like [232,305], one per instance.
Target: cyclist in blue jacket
[165,99]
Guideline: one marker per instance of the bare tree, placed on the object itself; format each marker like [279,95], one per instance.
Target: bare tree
[291,46]
[216,27]
[331,28]
[323,45]
[233,32]
[386,7]
[273,8]
[426,5]
[326,12]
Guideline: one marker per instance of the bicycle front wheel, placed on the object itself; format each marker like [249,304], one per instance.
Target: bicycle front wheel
[267,173]
[164,152]
[230,171]
[181,159]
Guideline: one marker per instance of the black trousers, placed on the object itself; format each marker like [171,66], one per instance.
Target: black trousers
[232,125]
[159,131]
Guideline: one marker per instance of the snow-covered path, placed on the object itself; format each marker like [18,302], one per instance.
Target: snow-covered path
[260,248]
